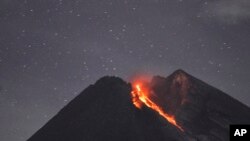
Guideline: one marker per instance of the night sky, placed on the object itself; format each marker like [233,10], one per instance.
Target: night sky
[50,50]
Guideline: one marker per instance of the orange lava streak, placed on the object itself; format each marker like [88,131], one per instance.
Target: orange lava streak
[139,97]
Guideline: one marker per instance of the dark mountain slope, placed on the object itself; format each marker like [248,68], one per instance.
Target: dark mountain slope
[104,111]
[204,111]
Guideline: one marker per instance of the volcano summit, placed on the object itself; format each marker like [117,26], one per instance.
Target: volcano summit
[179,107]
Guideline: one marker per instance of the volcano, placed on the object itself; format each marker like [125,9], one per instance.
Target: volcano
[179,107]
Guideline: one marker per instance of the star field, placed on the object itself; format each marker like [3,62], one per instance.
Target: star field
[50,50]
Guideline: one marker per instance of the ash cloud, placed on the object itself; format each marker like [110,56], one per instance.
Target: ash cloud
[228,11]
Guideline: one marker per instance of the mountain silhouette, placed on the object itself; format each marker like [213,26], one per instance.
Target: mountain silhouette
[105,112]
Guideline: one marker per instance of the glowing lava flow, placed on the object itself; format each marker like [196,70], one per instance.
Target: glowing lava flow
[140,97]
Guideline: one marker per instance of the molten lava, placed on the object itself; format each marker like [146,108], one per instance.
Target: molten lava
[140,96]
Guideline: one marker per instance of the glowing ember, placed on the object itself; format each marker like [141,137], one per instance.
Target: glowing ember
[140,97]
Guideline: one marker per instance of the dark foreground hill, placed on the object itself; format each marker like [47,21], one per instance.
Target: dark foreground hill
[104,112]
